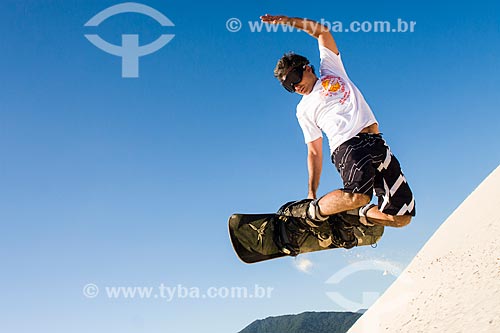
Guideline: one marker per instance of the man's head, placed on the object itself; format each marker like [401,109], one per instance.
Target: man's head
[295,74]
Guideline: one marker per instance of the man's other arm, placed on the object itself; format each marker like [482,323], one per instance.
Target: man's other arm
[313,28]
[314,165]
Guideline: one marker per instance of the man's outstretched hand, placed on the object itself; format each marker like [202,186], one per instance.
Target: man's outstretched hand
[275,19]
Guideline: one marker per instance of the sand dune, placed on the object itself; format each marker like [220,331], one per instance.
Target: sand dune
[453,284]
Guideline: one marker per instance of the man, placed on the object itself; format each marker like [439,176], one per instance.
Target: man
[334,105]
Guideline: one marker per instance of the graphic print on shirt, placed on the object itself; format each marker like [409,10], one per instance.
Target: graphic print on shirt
[335,86]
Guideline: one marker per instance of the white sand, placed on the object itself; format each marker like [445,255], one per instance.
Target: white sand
[453,284]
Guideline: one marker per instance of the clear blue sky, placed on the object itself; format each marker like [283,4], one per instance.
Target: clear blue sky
[129,182]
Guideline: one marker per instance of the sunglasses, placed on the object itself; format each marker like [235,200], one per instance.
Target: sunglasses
[293,77]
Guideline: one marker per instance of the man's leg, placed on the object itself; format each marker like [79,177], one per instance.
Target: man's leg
[396,205]
[317,211]
[366,163]
[339,201]
[354,160]
[375,216]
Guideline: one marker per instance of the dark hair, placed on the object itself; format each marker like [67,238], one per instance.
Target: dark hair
[287,61]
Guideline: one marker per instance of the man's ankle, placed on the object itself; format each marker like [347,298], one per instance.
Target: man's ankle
[362,213]
[314,212]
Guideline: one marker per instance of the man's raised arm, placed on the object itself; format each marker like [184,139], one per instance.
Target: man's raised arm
[313,28]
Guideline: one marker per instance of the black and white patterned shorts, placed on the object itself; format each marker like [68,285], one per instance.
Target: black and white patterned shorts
[367,165]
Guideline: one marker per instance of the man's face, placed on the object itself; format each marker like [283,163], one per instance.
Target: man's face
[305,86]
[300,80]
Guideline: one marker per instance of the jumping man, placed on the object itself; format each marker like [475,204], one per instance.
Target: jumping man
[333,105]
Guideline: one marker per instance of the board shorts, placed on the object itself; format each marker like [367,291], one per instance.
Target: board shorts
[367,165]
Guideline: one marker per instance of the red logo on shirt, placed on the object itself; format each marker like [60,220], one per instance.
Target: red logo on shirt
[335,86]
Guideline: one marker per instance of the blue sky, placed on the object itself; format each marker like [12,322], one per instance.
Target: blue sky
[129,182]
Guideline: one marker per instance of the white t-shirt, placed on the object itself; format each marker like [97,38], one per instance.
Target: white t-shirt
[335,105]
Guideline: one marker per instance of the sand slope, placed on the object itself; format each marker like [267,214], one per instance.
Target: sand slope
[453,284]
